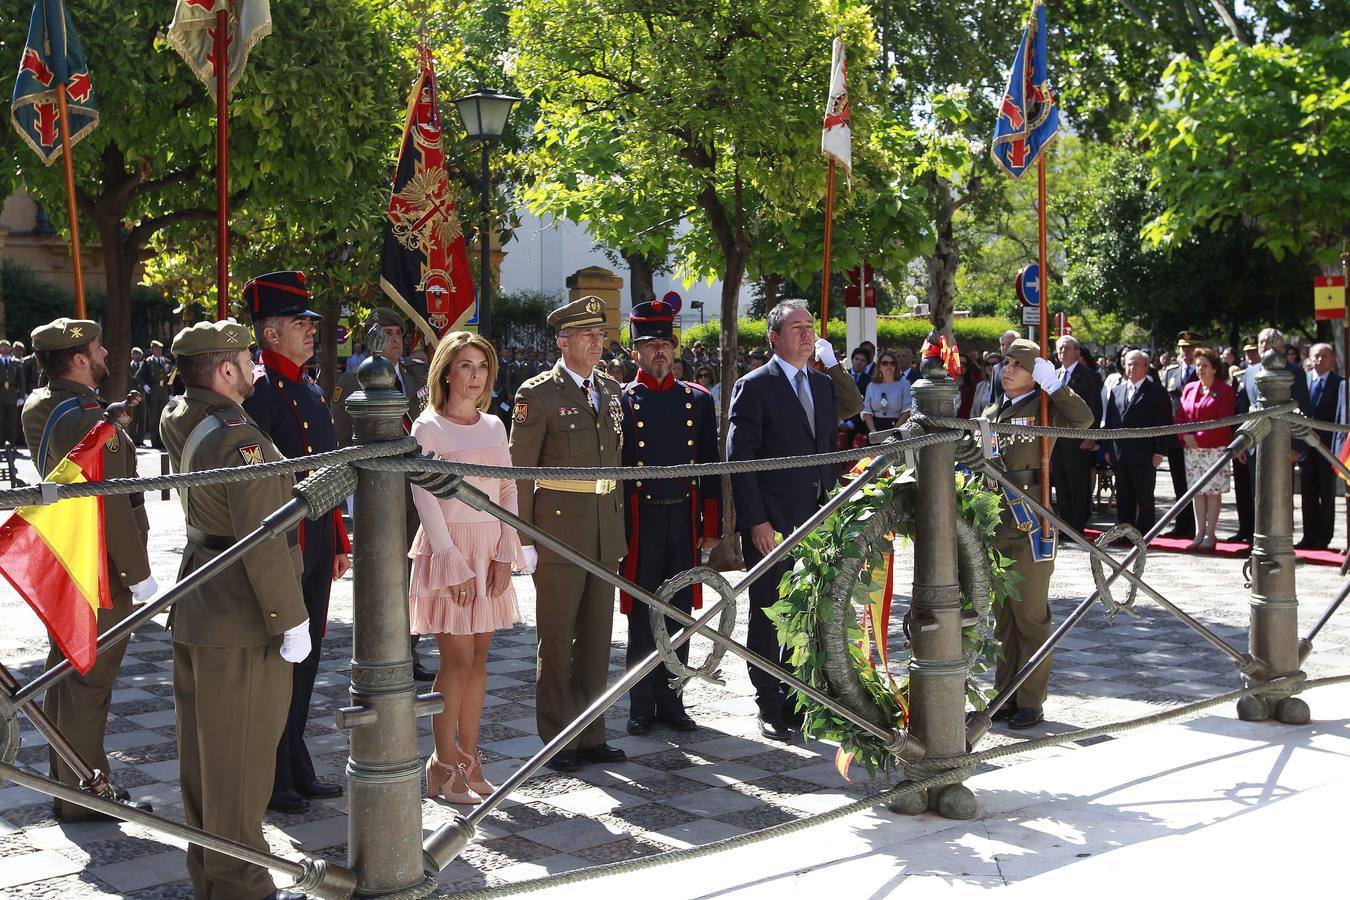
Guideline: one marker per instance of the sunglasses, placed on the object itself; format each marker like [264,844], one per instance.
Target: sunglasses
[887,362]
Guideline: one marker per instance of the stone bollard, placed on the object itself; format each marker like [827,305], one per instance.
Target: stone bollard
[384,769]
[1273,637]
[937,669]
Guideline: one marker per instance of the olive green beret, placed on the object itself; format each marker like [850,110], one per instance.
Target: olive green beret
[1025,352]
[388,317]
[584,312]
[64,333]
[210,337]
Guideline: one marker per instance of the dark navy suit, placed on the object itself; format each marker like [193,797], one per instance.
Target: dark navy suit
[1317,478]
[290,408]
[1132,460]
[767,420]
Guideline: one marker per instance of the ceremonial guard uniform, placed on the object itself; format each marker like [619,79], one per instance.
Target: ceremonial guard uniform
[154,374]
[559,422]
[1023,625]
[665,423]
[232,688]
[291,410]
[12,389]
[55,419]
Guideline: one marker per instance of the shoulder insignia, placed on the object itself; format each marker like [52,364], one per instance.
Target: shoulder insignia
[233,419]
[252,454]
[521,412]
[112,443]
[88,403]
[337,393]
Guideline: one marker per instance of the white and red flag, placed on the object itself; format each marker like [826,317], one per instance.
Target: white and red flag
[193,34]
[836,140]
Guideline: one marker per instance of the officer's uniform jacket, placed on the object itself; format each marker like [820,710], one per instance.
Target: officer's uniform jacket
[554,424]
[1173,380]
[154,373]
[412,377]
[253,602]
[1020,456]
[669,423]
[125,525]
[291,410]
[13,385]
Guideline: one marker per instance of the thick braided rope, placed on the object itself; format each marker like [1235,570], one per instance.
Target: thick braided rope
[33,494]
[1101,434]
[963,768]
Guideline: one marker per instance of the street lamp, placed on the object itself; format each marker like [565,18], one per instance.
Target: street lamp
[698,305]
[484,115]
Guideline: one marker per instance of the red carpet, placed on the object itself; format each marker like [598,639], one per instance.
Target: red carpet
[1232,551]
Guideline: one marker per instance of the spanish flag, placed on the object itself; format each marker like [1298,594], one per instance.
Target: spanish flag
[55,558]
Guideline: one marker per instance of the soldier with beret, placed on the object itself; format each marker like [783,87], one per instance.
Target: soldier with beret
[1023,625]
[12,389]
[28,363]
[236,637]
[665,423]
[154,374]
[291,410]
[572,416]
[56,417]
[138,420]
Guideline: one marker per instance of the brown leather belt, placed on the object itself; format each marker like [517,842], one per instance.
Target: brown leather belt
[221,542]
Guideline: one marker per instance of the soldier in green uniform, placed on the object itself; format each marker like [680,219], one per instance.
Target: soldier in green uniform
[12,389]
[55,418]
[1022,626]
[154,374]
[235,638]
[572,416]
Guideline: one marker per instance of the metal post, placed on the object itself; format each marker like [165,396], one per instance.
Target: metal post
[1274,605]
[484,244]
[937,670]
[384,785]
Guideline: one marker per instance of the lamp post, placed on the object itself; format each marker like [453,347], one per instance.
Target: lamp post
[698,305]
[484,115]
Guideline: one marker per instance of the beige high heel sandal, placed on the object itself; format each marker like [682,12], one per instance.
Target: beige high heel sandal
[472,766]
[450,783]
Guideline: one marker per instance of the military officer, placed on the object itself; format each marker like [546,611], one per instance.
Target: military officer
[570,416]
[665,423]
[55,418]
[291,410]
[412,380]
[1022,626]
[12,389]
[235,638]
[154,374]
[138,416]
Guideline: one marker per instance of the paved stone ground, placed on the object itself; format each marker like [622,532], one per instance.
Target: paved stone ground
[676,790]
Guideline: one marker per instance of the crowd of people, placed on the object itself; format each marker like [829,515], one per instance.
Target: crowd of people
[246,647]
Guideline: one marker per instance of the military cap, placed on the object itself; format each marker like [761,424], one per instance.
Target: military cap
[18,345]
[1249,343]
[64,333]
[653,320]
[135,350]
[1188,339]
[1025,352]
[278,294]
[4,342]
[211,337]
[159,344]
[584,312]
[388,317]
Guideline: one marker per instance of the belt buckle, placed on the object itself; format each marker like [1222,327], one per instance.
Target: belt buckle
[605,485]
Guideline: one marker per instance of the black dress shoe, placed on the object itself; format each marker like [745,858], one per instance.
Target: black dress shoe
[88,815]
[1005,712]
[1180,534]
[603,753]
[679,721]
[421,672]
[320,790]
[639,725]
[1238,538]
[775,730]
[565,761]
[287,802]
[1026,718]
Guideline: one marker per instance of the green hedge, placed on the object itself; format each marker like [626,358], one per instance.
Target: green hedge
[972,334]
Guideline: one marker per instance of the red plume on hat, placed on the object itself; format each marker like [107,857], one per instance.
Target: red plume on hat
[935,346]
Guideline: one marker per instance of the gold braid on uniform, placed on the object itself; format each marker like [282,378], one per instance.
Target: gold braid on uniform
[836,569]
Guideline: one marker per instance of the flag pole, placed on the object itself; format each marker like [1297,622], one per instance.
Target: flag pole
[1045,333]
[222,71]
[63,115]
[825,275]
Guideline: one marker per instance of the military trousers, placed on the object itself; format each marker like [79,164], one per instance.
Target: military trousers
[665,547]
[574,615]
[295,769]
[231,705]
[9,421]
[1022,626]
[78,704]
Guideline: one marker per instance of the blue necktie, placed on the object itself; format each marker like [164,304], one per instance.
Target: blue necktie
[1317,389]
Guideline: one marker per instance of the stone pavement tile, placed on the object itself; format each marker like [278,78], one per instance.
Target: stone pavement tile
[496,853]
[140,737]
[166,770]
[773,788]
[64,836]
[619,774]
[647,817]
[671,759]
[761,816]
[593,801]
[783,758]
[147,871]
[329,832]
[713,802]
[507,713]
[513,818]
[509,664]
[521,747]
[550,865]
[572,836]
[817,803]
[631,847]
[696,833]
[722,774]
[154,719]
[547,783]
[92,854]
[729,747]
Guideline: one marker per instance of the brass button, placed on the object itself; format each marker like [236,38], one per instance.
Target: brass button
[573,425]
[304,424]
[642,443]
[641,463]
[689,406]
[637,483]
[641,424]
[123,574]
[636,407]
[557,512]
[273,615]
[309,449]
[648,496]
[689,423]
[691,443]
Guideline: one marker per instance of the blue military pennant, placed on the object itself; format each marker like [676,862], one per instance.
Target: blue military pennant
[52,56]
[1028,115]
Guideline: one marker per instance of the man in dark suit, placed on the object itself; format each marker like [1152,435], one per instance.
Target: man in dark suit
[1245,464]
[1174,378]
[1071,461]
[996,377]
[1137,402]
[12,391]
[783,408]
[1317,477]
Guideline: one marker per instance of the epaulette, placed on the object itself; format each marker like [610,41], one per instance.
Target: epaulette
[232,419]
[537,379]
[605,376]
[697,387]
[88,403]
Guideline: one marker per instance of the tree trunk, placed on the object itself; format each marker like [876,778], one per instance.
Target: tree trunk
[772,284]
[119,266]
[943,262]
[331,306]
[640,273]
[727,556]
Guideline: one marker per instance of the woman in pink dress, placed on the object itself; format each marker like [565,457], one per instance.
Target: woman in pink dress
[460,591]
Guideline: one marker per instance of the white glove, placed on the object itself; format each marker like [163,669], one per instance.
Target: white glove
[531,559]
[825,353]
[295,644]
[1044,374]
[144,590]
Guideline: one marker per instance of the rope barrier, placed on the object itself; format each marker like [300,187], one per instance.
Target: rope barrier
[1103,434]
[962,768]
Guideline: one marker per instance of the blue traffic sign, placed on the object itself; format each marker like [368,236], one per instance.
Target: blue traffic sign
[1028,285]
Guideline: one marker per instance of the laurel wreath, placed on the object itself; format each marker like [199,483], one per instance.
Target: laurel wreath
[842,562]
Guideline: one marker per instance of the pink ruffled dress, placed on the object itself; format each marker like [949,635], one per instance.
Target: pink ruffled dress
[455,543]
